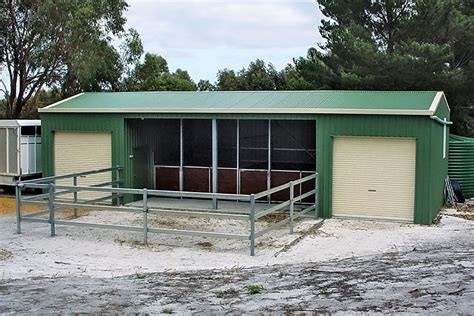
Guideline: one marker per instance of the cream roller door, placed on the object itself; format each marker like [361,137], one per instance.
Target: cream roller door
[374,178]
[83,151]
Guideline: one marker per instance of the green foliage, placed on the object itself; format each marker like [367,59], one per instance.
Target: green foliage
[258,76]
[154,75]
[230,292]
[205,85]
[397,45]
[167,311]
[50,43]
[254,289]
[41,99]
[227,80]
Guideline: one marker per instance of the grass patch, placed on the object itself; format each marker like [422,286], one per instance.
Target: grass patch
[167,311]
[5,254]
[274,218]
[170,223]
[132,243]
[69,213]
[205,245]
[137,243]
[231,292]
[254,289]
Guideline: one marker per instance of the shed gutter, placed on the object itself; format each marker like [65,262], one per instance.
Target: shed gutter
[440,121]
[242,111]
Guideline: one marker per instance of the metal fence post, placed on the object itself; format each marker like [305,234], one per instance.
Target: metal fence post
[316,196]
[145,216]
[292,205]
[74,183]
[51,208]
[18,207]
[252,224]
[118,179]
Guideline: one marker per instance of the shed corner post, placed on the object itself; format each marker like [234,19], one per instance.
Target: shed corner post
[18,207]
[316,196]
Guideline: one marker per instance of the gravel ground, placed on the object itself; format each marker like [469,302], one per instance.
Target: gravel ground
[345,266]
[431,280]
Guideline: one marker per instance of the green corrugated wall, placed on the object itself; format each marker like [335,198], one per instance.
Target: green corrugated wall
[461,163]
[51,123]
[431,168]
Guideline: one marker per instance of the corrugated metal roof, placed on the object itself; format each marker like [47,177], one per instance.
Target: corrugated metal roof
[318,101]
[9,123]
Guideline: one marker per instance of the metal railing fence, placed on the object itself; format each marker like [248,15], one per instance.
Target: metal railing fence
[53,200]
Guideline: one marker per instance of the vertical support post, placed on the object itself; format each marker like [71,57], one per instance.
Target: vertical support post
[27,153]
[292,205]
[269,171]
[238,156]
[74,183]
[145,216]
[34,151]
[209,179]
[7,145]
[18,207]
[51,208]
[316,196]
[181,156]
[252,224]
[301,184]
[214,162]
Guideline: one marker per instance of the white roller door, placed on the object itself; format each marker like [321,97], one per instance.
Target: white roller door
[83,151]
[374,178]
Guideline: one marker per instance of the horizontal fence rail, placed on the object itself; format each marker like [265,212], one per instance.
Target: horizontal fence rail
[60,197]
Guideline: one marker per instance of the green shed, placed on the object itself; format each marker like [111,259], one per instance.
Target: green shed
[379,154]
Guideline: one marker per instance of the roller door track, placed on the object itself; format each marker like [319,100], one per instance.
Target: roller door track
[374,178]
[78,152]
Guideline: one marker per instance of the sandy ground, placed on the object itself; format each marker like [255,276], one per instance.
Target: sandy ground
[345,265]
[7,205]
[435,281]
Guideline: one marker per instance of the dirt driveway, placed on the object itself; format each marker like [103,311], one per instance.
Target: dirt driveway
[430,280]
[345,266]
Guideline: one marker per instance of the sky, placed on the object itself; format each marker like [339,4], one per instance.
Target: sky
[203,36]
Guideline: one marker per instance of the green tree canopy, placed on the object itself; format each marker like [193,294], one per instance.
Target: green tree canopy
[154,75]
[205,85]
[397,45]
[57,42]
[258,76]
